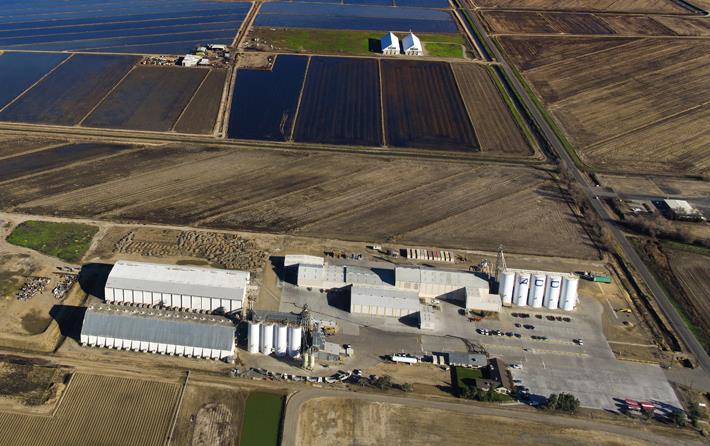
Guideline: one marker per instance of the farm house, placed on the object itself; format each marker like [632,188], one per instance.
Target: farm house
[389,44]
[176,286]
[411,45]
[158,331]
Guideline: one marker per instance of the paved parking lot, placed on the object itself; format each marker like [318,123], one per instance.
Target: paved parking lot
[591,372]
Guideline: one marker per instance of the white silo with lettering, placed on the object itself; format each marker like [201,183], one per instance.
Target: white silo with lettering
[253,337]
[568,299]
[537,290]
[294,347]
[506,284]
[552,292]
[281,340]
[522,286]
[267,338]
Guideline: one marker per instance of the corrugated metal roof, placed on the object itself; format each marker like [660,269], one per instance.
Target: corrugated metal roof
[384,297]
[439,276]
[410,41]
[165,327]
[295,259]
[275,316]
[389,40]
[178,279]
[358,275]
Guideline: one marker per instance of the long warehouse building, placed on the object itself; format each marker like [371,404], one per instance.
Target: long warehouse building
[158,331]
[176,286]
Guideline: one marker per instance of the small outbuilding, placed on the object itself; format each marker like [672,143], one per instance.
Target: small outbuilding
[412,46]
[389,44]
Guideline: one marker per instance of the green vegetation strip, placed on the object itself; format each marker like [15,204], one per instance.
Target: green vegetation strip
[465,377]
[358,43]
[67,241]
[522,123]
[262,419]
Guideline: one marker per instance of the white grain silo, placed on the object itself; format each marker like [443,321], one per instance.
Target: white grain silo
[267,338]
[506,284]
[253,339]
[537,290]
[281,340]
[522,286]
[568,299]
[294,347]
[552,292]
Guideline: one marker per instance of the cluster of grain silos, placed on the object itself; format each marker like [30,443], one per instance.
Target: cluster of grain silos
[271,337]
[538,289]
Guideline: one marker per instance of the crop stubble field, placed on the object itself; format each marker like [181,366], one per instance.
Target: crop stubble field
[625,104]
[345,422]
[648,6]
[693,273]
[321,195]
[98,410]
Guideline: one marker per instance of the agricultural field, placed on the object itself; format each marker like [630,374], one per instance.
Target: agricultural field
[346,421]
[218,413]
[339,196]
[132,26]
[638,105]
[260,111]
[200,116]
[149,98]
[262,419]
[431,116]
[67,241]
[341,103]
[354,17]
[14,145]
[494,124]
[18,71]
[355,43]
[639,6]
[28,385]
[128,411]
[71,91]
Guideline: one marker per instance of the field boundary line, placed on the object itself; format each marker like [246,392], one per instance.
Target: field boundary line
[103,99]
[38,149]
[568,59]
[64,394]
[382,104]
[192,98]
[221,126]
[40,80]
[178,405]
[300,99]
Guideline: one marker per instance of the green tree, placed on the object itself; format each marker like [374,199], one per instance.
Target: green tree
[407,387]
[384,382]
[680,418]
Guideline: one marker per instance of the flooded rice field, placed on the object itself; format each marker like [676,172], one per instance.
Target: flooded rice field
[149,98]
[259,109]
[18,71]
[71,91]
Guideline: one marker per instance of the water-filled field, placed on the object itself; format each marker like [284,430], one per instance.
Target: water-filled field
[71,91]
[354,17]
[264,102]
[131,26]
[18,71]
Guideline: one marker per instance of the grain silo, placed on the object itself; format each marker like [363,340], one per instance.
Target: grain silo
[537,290]
[506,284]
[522,286]
[254,336]
[552,291]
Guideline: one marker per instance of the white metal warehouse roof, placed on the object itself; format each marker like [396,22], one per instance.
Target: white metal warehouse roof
[418,274]
[177,279]
[389,41]
[165,327]
[384,297]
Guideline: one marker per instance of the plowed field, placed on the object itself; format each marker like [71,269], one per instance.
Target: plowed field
[423,107]
[495,126]
[98,410]
[649,6]
[338,196]
[640,105]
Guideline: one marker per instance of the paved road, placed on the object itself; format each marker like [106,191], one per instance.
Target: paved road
[296,400]
[685,335]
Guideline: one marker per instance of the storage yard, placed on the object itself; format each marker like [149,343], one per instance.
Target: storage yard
[358,200]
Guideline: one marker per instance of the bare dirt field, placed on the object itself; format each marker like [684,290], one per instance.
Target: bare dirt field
[210,416]
[98,410]
[693,274]
[350,197]
[656,185]
[493,121]
[648,6]
[346,422]
[641,105]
